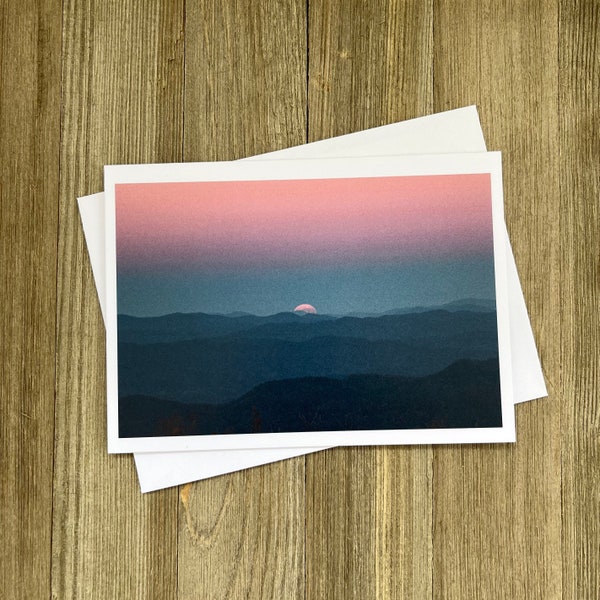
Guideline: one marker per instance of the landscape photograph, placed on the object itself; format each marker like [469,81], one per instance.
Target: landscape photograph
[306,305]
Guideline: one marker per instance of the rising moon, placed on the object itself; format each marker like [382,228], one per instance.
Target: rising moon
[306,308]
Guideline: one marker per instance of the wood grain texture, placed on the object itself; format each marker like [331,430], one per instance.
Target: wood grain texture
[92,82]
[369,64]
[29,143]
[497,510]
[245,87]
[122,102]
[242,535]
[579,77]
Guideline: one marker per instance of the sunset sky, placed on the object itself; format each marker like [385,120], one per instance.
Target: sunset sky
[342,245]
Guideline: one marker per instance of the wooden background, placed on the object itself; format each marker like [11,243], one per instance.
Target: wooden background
[84,83]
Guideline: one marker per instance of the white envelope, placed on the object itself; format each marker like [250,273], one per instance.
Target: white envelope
[452,131]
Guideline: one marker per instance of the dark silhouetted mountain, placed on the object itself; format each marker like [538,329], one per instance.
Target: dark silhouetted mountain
[458,329]
[187,326]
[218,369]
[221,369]
[465,394]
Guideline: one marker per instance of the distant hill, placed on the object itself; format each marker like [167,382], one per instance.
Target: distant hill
[187,326]
[466,304]
[465,394]
[433,327]
[220,369]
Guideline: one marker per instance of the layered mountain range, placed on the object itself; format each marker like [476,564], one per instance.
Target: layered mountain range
[184,374]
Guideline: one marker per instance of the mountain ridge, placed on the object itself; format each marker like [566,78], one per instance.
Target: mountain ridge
[183,326]
[216,369]
[464,394]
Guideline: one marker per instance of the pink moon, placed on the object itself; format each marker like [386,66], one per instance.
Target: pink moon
[306,308]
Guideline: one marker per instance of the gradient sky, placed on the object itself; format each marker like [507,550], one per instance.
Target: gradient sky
[358,244]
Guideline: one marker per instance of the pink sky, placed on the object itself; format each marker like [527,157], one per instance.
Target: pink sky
[245,224]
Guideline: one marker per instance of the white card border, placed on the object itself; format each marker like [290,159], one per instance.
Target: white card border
[405,165]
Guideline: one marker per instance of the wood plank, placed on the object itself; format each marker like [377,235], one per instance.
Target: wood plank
[580,300]
[29,146]
[245,87]
[497,510]
[122,102]
[369,64]
[241,535]
[368,528]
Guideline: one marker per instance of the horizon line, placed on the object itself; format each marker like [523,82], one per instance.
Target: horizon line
[353,313]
